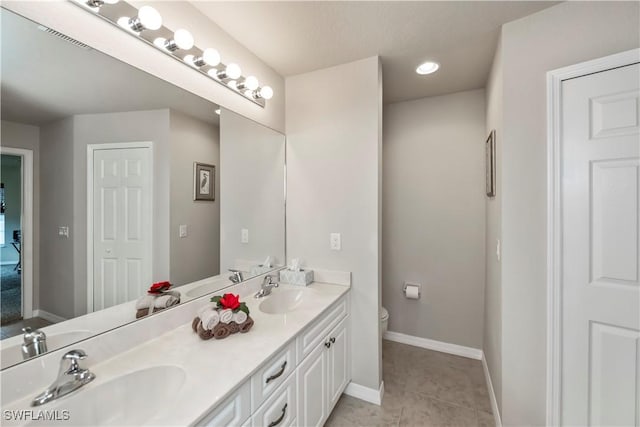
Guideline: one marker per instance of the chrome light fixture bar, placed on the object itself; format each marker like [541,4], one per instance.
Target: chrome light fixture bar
[146,24]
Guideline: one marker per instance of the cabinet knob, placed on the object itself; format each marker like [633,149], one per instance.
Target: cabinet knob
[332,339]
[327,344]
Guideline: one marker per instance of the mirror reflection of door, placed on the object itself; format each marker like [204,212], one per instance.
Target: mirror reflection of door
[10,243]
[121,218]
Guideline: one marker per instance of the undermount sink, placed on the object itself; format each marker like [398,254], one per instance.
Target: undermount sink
[130,399]
[283,301]
[11,355]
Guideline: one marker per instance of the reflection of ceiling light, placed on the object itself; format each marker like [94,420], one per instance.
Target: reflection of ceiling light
[427,68]
[217,111]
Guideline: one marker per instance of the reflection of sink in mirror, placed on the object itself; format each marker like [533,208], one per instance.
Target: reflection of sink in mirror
[130,399]
[13,354]
[284,300]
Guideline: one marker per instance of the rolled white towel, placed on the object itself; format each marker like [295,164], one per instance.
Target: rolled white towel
[240,317]
[165,301]
[145,301]
[209,307]
[226,316]
[210,319]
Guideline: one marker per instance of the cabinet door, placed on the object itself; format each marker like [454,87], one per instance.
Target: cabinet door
[232,412]
[312,388]
[338,362]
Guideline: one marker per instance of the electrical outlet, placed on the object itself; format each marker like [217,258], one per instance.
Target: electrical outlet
[183,230]
[335,241]
[244,236]
[63,231]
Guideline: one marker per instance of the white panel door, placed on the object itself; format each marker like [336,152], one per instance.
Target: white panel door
[312,386]
[600,248]
[338,362]
[121,225]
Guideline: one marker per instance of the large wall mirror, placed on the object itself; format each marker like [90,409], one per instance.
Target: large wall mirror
[112,180]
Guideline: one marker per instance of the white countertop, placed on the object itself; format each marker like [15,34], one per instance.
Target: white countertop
[214,368]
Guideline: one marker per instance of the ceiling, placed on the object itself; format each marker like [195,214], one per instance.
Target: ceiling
[45,78]
[302,36]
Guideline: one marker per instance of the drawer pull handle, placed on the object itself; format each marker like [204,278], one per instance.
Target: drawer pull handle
[333,340]
[327,344]
[274,376]
[279,420]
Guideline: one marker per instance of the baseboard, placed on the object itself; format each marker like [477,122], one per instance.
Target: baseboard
[48,316]
[367,394]
[444,347]
[492,394]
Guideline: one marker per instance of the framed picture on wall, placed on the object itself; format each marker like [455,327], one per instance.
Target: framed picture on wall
[204,182]
[490,159]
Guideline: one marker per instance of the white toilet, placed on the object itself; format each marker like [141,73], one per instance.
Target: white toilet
[384,320]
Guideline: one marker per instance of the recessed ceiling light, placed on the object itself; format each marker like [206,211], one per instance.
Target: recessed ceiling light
[427,67]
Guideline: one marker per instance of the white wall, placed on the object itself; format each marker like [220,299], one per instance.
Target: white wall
[57,200]
[565,34]
[333,178]
[74,21]
[198,255]
[252,192]
[132,126]
[17,135]
[434,216]
[492,342]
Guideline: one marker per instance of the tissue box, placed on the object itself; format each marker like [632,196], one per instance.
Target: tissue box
[301,278]
[257,270]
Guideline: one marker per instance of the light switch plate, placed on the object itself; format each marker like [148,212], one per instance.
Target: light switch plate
[183,230]
[244,236]
[63,231]
[335,241]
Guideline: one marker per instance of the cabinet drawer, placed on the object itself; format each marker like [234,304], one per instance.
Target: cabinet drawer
[272,374]
[234,411]
[317,332]
[280,409]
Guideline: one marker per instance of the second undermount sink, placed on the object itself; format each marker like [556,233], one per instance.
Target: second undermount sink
[131,399]
[284,300]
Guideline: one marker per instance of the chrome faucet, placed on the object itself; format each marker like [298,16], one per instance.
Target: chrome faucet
[35,343]
[236,276]
[70,378]
[267,286]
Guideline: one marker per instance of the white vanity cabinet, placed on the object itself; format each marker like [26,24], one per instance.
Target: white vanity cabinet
[323,376]
[299,385]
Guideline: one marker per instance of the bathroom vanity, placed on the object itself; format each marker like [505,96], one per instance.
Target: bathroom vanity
[290,369]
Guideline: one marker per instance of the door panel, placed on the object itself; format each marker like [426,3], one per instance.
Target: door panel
[312,386]
[600,255]
[338,363]
[122,225]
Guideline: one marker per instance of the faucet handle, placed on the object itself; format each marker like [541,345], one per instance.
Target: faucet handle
[75,355]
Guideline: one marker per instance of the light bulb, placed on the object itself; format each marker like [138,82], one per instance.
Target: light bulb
[427,68]
[111,1]
[265,92]
[211,57]
[183,39]
[189,59]
[232,84]
[149,18]
[160,42]
[233,71]
[213,73]
[251,83]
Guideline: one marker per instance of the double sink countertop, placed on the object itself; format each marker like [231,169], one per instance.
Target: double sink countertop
[177,378]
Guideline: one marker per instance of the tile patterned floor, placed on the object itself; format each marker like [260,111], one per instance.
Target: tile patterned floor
[422,388]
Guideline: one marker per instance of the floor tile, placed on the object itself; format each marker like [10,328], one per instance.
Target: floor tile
[486,419]
[425,411]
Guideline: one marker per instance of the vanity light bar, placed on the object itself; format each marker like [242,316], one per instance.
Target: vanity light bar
[146,24]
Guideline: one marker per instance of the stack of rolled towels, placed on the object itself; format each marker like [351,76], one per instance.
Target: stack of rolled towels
[213,322]
[152,303]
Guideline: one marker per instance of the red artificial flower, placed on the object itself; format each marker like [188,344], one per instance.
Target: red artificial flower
[159,287]
[230,301]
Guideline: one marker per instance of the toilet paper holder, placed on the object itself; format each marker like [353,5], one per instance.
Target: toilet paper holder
[406,284]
